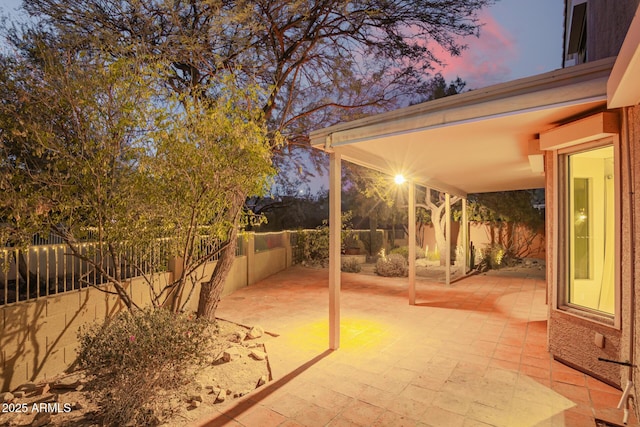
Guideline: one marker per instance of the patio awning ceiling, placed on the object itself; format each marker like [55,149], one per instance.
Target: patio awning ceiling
[479,141]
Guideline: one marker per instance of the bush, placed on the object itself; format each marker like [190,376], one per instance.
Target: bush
[394,265]
[434,255]
[404,251]
[314,244]
[375,246]
[135,356]
[351,266]
[495,256]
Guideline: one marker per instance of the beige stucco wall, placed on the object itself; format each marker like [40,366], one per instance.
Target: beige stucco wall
[571,338]
[631,129]
[479,234]
[268,263]
[38,337]
[607,26]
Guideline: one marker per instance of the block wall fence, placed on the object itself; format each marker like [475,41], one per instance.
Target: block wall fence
[38,337]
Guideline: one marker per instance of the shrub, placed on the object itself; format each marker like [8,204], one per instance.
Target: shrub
[375,246]
[394,265]
[433,255]
[351,266]
[315,244]
[495,256]
[404,251]
[135,356]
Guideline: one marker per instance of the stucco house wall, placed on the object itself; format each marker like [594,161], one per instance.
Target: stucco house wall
[572,339]
[607,24]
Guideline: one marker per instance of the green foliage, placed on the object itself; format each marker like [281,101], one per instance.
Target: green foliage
[440,89]
[136,355]
[349,238]
[512,220]
[507,206]
[318,62]
[495,256]
[315,244]
[404,251]
[351,266]
[393,265]
[92,144]
[433,255]
[375,246]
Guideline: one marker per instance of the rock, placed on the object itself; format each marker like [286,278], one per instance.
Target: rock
[6,397]
[28,387]
[231,354]
[195,403]
[255,332]
[45,389]
[196,398]
[258,355]
[262,381]
[241,335]
[221,397]
[77,406]
[70,382]
[41,419]
[18,394]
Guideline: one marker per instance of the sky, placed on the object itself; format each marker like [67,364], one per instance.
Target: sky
[518,38]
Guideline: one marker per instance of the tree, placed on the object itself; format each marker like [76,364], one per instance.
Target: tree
[291,208]
[513,220]
[372,195]
[435,204]
[438,87]
[91,146]
[316,62]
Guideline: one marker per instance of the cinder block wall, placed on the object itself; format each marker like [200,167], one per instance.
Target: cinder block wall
[38,338]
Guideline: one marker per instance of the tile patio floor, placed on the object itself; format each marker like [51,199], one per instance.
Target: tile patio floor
[473,354]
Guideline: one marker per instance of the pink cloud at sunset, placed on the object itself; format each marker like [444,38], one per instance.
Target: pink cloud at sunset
[487,59]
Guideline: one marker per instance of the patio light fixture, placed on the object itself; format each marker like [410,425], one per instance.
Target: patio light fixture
[399,179]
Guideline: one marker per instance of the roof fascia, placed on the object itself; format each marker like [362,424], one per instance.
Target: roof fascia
[564,85]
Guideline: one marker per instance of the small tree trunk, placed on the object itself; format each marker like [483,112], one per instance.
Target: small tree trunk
[210,291]
[439,231]
[373,227]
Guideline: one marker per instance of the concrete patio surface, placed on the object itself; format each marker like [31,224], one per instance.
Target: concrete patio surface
[472,354]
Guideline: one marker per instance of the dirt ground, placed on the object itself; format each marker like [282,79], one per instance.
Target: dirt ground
[66,400]
[528,267]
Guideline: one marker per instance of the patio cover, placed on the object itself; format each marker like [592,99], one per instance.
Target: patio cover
[483,140]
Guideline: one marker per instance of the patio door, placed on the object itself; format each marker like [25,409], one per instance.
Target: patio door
[590,228]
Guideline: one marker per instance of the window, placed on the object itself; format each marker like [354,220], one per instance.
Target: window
[589,235]
[576,34]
